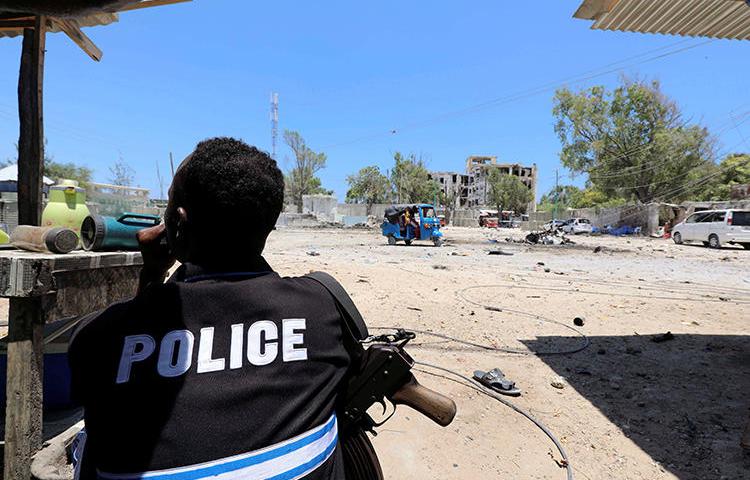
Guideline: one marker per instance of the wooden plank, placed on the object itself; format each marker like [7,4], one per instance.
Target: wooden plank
[73,30]
[23,412]
[31,138]
[150,3]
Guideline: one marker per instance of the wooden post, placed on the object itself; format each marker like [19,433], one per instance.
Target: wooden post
[23,412]
[31,139]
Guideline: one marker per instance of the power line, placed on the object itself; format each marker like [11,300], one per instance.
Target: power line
[524,94]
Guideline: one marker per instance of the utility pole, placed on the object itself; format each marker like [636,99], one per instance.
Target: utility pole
[171,164]
[557,193]
[274,122]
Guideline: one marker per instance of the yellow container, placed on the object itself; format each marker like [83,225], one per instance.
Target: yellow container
[66,206]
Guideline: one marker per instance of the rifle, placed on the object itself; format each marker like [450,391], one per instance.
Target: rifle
[382,374]
[385,374]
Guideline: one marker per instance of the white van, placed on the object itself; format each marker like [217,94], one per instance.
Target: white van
[715,228]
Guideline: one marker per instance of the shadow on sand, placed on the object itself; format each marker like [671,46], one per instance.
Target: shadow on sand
[685,402]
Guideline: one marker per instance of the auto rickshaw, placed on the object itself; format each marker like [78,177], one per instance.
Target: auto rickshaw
[412,222]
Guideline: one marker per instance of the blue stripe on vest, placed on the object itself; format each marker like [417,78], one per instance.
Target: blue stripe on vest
[210,469]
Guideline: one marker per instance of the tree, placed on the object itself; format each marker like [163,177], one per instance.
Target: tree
[508,192]
[368,186]
[733,170]
[562,197]
[451,198]
[301,179]
[570,196]
[411,180]
[632,142]
[56,171]
[121,174]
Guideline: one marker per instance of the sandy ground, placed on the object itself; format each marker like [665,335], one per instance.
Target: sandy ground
[630,409]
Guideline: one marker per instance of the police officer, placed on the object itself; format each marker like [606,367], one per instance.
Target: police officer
[226,369]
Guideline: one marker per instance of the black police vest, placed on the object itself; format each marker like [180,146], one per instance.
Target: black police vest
[213,373]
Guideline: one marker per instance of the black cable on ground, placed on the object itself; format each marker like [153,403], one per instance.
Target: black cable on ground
[583,346]
[468,382]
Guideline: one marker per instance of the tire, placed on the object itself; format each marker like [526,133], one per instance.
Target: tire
[713,241]
[677,238]
[408,242]
[391,240]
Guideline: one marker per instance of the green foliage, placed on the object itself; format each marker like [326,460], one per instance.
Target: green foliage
[563,196]
[55,171]
[632,142]
[508,192]
[301,179]
[58,170]
[411,180]
[368,186]
[733,170]
[570,196]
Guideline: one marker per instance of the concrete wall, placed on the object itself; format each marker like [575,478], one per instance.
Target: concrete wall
[324,207]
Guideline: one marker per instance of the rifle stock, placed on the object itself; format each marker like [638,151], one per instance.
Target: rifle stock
[438,408]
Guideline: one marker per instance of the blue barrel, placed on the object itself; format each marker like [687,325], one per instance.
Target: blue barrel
[100,233]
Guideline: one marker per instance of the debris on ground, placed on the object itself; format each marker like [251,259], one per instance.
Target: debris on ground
[558,382]
[313,253]
[598,249]
[498,252]
[493,309]
[440,267]
[665,337]
[579,321]
[416,309]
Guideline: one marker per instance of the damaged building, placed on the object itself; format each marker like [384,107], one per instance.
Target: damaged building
[471,188]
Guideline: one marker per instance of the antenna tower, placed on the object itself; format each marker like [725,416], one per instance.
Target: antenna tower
[274,122]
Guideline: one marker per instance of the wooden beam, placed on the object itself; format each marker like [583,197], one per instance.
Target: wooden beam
[23,412]
[593,9]
[17,23]
[150,3]
[73,30]
[31,138]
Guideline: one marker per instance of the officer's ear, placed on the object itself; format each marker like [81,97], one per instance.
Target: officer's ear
[179,234]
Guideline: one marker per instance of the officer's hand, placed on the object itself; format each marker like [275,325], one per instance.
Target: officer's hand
[157,260]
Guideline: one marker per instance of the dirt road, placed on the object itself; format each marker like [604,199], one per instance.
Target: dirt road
[630,408]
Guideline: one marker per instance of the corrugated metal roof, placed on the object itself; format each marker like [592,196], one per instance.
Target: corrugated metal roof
[694,18]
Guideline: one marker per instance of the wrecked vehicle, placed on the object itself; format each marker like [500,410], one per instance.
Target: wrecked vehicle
[577,225]
[411,222]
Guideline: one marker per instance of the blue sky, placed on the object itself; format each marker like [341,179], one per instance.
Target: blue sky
[348,74]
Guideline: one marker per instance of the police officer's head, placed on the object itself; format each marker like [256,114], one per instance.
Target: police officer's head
[224,201]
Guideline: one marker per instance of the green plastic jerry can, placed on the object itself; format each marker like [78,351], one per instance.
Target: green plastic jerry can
[66,206]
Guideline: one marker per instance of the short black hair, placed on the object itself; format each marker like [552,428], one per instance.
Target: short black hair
[226,181]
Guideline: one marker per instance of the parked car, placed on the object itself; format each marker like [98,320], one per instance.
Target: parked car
[577,225]
[714,228]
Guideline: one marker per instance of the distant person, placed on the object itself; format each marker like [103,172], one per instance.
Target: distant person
[227,370]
